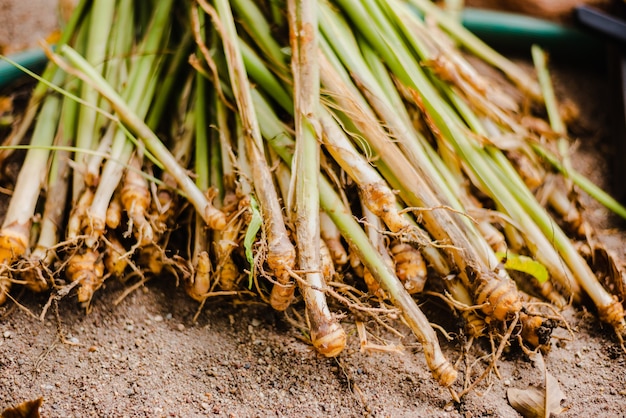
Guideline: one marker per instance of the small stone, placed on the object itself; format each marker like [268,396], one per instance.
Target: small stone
[7,334]
[168,316]
[129,327]
[180,327]
[255,322]
[507,382]
[158,318]
[138,342]
[92,349]
[205,406]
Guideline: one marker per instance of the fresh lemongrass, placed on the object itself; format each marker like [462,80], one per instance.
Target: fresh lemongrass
[438,221]
[101,19]
[214,218]
[57,192]
[16,227]
[142,82]
[475,45]
[281,253]
[357,239]
[352,232]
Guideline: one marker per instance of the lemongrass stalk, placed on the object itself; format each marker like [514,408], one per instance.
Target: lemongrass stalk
[121,45]
[195,196]
[454,8]
[199,282]
[116,73]
[225,150]
[328,337]
[381,94]
[33,172]
[475,45]
[277,137]
[100,24]
[54,210]
[583,182]
[41,89]
[224,178]
[332,237]
[142,83]
[262,75]
[169,79]
[564,165]
[58,185]
[440,368]
[374,229]
[16,228]
[259,29]
[281,252]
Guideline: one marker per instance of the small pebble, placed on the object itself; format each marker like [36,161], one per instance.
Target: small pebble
[507,382]
[168,316]
[7,334]
[180,327]
[255,322]
[205,406]
[158,318]
[93,348]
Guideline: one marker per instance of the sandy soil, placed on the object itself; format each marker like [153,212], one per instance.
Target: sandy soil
[146,356]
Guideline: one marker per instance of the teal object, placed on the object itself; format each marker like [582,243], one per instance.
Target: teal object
[33,59]
[510,31]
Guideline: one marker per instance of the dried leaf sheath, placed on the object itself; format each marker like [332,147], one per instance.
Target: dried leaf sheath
[327,335]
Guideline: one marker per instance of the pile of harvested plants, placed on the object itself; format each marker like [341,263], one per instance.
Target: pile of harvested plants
[327,157]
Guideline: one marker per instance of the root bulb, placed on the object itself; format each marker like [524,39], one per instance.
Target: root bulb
[199,283]
[282,263]
[328,340]
[88,269]
[135,197]
[498,296]
[13,244]
[410,267]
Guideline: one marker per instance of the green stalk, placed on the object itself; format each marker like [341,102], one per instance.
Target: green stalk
[58,185]
[278,138]
[280,251]
[16,228]
[142,83]
[327,335]
[100,23]
[352,232]
[583,182]
[259,29]
[34,168]
[195,196]
[474,44]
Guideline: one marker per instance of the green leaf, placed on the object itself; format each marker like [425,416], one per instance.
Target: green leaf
[525,265]
[253,228]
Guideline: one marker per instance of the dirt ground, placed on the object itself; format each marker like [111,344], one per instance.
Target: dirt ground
[146,356]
